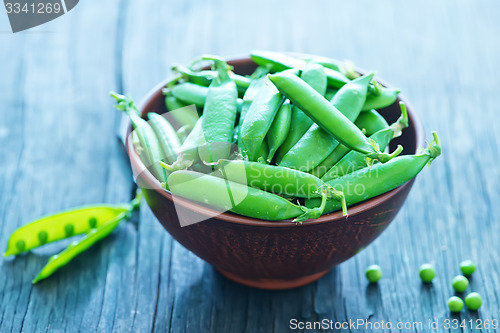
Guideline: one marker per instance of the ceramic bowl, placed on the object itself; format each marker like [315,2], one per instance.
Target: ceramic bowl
[276,254]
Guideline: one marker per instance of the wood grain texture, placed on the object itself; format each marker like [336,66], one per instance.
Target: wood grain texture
[58,151]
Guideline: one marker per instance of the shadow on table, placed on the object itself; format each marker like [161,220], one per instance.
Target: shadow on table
[215,303]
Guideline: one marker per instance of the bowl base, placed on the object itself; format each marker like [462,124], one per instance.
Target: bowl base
[273,284]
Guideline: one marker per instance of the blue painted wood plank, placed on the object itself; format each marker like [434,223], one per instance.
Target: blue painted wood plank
[58,151]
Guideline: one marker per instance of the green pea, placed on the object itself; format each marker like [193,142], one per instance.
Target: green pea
[427,273]
[455,304]
[460,283]
[21,246]
[373,273]
[467,267]
[92,222]
[69,230]
[473,301]
[43,237]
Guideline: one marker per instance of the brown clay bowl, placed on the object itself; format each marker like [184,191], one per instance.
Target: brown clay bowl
[281,254]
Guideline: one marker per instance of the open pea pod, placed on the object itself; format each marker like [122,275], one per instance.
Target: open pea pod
[74,248]
[60,226]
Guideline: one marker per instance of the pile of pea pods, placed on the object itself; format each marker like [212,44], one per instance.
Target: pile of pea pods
[296,139]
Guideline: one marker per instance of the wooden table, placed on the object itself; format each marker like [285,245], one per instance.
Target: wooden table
[58,150]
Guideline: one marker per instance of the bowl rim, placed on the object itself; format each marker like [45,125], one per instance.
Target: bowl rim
[333,217]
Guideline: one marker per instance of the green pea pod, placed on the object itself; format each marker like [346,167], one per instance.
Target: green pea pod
[375,124]
[188,152]
[201,78]
[248,98]
[335,156]
[259,118]
[204,78]
[334,64]
[279,129]
[367,183]
[327,116]
[59,260]
[330,93]
[378,101]
[263,153]
[317,144]
[93,236]
[371,122]
[185,118]
[189,93]
[183,132]
[60,226]
[151,154]
[315,76]
[219,115]
[278,62]
[167,136]
[226,195]
[353,160]
[278,180]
